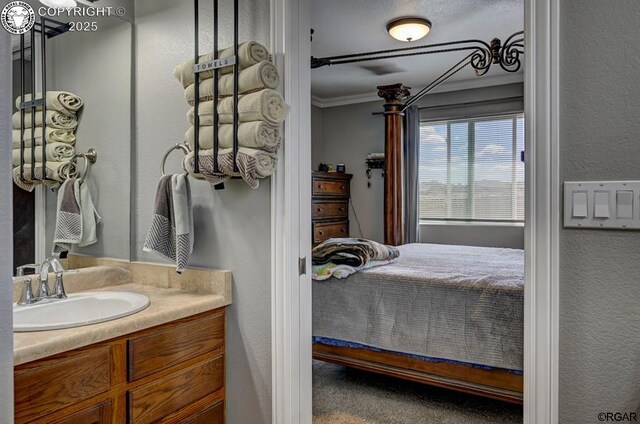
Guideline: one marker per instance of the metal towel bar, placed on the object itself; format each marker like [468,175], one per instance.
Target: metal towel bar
[178,146]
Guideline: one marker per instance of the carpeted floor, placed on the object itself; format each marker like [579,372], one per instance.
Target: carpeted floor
[347,396]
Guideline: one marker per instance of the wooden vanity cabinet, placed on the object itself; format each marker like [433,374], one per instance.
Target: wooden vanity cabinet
[172,373]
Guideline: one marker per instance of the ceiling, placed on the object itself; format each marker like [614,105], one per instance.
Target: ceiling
[357,26]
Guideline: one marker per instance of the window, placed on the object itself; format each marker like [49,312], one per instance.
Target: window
[470,170]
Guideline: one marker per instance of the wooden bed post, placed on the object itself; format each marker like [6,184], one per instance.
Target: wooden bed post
[393,175]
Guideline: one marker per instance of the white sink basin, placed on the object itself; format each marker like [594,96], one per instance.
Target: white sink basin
[77,310]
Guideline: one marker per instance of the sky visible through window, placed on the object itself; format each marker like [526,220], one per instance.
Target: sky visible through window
[471,169]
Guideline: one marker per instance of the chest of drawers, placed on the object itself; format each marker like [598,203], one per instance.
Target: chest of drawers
[330,205]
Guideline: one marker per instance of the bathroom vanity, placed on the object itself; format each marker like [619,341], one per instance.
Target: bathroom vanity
[165,364]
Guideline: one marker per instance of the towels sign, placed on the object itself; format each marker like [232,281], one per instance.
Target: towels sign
[214,64]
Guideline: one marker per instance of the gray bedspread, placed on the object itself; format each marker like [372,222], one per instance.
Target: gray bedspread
[458,303]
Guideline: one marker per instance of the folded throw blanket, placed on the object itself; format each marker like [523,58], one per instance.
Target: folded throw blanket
[255,78]
[53,135]
[354,252]
[255,135]
[57,152]
[55,172]
[252,165]
[59,101]
[171,232]
[328,270]
[53,120]
[249,54]
[265,105]
[76,217]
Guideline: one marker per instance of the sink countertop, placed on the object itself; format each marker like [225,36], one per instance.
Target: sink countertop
[167,304]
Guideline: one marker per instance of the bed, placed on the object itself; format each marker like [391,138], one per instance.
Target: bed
[449,316]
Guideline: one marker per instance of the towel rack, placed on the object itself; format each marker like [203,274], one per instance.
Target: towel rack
[178,146]
[215,65]
[47,28]
[90,157]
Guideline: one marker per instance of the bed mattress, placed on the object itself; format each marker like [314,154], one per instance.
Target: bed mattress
[455,303]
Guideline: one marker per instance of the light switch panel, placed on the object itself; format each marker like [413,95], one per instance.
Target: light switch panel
[602,204]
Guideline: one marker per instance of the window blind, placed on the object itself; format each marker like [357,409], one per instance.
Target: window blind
[470,170]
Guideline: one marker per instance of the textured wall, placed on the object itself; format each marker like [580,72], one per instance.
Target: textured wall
[6,227]
[232,226]
[350,132]
[599,280]
[103,79]
[317,115]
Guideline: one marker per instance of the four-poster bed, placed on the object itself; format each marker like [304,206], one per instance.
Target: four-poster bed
[330,300]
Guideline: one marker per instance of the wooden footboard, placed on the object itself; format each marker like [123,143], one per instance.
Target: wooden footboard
[495,384]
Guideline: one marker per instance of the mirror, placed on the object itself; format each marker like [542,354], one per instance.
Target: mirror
[94,62]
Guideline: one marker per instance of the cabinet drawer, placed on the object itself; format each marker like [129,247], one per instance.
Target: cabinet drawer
[330,210]
[212,415]
[64,380]
[323,187]
[98,414]
[323,231]
[174,343]
[158,399]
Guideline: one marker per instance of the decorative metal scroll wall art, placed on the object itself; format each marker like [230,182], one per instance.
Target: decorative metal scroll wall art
[47,28]
[215,65]
[483,55]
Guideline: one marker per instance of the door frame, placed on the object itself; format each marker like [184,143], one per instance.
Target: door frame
[291,216]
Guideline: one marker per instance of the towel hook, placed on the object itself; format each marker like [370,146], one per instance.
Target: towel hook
[178,146]
[90,157]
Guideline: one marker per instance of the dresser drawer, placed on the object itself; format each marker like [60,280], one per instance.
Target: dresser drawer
[212,415]
[327,230]
[326,187]
[174,343]
[60,382]
[330,210]
[153,401]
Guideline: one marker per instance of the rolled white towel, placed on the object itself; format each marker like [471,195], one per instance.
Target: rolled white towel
[56,173]
[53,135]
[56,152]
[265,105]
[255,78]
[253,165]
[255,135]
[249,53]
[53,120]
[59,101]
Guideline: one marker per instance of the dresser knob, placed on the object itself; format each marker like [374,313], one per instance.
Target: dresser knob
[342,230]
[341,209]
[321,233]
[342,187]
[319,209]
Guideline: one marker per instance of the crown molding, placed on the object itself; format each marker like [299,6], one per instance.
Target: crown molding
[479,82]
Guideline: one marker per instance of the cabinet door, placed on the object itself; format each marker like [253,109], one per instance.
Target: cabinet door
[98,414]
[54,384]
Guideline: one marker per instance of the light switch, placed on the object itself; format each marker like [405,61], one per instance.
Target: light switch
[601,202]
[579,201]
[624,204]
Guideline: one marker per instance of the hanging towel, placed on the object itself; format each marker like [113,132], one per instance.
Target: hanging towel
[171,232]
[255,78]
[252,165]
[249,54]
[55,172]
[77,218]
[53,135]
[60,101]
[255,135]
[56,152]
[266,105]
[53,120]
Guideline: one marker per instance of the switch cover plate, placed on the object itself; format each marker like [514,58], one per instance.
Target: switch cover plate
[609,204]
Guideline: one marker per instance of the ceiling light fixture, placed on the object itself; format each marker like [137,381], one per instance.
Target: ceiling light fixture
[409,29]
[62,4]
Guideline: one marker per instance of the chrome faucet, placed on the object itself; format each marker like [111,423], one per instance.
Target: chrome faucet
[54,264]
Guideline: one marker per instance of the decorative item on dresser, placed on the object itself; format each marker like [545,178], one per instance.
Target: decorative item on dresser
[330,205]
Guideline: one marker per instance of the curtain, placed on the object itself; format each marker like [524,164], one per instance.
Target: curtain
[411,159]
